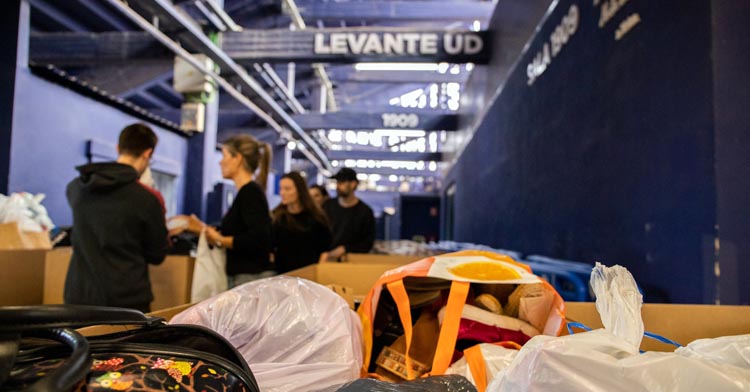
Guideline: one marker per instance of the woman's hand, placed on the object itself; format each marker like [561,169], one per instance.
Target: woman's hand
[214,237]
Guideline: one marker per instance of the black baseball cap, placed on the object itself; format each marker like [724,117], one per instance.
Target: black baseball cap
[346,174]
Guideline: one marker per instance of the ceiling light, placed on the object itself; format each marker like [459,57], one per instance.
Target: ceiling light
[396,67]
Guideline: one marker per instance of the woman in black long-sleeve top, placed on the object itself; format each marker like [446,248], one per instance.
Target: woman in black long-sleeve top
[246,228]
[300,229]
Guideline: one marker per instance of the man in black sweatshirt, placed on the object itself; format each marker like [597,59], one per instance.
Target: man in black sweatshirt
[352,221]
[118,227]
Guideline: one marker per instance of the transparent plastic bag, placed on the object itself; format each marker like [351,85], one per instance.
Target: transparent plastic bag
[295,334]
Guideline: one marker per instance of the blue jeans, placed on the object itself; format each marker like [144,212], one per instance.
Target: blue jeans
[236,280]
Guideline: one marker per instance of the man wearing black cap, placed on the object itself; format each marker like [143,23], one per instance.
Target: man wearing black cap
[351,219]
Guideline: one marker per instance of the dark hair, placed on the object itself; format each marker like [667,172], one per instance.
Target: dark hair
[135,139]
[323,191]
[281,214]
[254,152]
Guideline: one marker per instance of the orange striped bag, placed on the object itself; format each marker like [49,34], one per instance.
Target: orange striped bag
[456,275]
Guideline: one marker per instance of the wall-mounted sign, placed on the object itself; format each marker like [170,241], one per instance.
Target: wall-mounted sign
[559,37]
[400,120]
[356,45]
[397,43]
[347,120]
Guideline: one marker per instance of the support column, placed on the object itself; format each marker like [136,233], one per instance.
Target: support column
[10,17]
[731,89]
[201,164]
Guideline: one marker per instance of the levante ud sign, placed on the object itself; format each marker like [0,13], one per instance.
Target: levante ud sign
[398,44]
[351,45]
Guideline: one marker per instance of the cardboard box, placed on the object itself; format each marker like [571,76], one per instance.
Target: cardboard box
[356,278]
[13,238]
[166,314]
[22,277]
[681,323]
[56,265]
[170,281]
[371,258]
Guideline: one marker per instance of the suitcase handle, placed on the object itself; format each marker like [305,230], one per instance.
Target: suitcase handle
[15,319]
[73,369]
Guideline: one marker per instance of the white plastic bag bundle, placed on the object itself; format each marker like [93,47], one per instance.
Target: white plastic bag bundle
[608,359]
[27,210]
[618,302]
[296,335]
[209,275]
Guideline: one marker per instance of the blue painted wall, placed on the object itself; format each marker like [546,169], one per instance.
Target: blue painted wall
[51,125]
[609,155]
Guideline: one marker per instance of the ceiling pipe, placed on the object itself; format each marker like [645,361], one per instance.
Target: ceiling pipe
[316,155]
[320,70]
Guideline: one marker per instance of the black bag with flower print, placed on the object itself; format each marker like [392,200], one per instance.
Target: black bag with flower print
[40,351]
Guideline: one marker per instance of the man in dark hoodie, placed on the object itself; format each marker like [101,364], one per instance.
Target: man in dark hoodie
[118,227]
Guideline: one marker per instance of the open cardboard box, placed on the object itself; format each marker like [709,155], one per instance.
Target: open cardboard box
[13,238]
[354,280]
[166,314]
[170,281]
[371,258]
[681,323]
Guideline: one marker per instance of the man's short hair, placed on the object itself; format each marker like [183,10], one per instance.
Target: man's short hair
[346,174]
[136,138]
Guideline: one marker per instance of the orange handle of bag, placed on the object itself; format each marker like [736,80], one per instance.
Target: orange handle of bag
[449,330]
[477,366]
[398,292]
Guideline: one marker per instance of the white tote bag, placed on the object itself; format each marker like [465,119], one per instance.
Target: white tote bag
[209,275]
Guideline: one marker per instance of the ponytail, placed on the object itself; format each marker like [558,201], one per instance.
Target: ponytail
[265,163]
[255,154]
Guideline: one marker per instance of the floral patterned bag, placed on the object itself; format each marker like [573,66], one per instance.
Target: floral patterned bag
[39,351]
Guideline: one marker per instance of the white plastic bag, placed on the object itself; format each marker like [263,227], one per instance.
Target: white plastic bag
[27,210]
[496,359]
[618,302]
[209,275]
[296,335]
[608,359]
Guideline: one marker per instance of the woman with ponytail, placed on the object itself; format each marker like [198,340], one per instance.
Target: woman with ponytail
[246,228]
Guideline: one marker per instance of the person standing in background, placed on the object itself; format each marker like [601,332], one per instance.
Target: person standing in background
[352,221]
[118,227]
[300,229]
[245,230]
[319,195]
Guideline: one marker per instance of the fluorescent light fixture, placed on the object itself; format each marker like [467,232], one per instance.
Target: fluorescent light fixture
[396,67]
[399,133]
